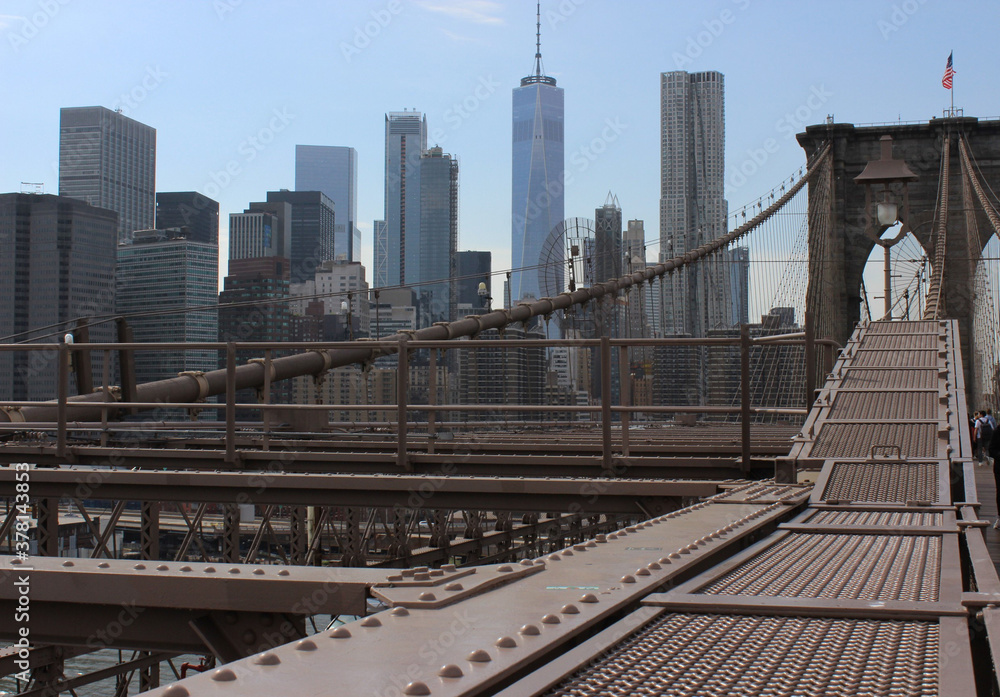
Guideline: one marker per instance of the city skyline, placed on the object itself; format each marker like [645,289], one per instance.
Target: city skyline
[460,80]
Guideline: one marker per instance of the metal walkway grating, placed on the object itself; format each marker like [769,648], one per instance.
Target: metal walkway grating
[885,406]
[724,656]
[874,379]
[880,482]
[859,567]
[900,518]
[857,439]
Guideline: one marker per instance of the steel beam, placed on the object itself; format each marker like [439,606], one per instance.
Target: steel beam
[410,491]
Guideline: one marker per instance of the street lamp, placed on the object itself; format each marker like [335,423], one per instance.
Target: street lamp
[484,297]
[887,212]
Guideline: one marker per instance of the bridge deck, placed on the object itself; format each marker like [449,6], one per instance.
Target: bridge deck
[876,580]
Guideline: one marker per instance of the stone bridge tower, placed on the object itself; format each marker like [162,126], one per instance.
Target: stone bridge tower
[833,295]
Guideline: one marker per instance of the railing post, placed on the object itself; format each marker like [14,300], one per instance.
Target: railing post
[63,395]
[402,387]
[230,402]
[606,401]
[266,400]
[432,401]
[810,361]
[106,390]
[625,380]
[745,395]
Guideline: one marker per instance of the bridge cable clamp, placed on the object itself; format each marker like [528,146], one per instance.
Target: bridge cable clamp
[199,377]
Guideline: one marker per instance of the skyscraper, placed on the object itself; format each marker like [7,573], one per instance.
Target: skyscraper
[380,253]
[438,241]
[692,207]
[256,233]
[57,264]
[169,268]
[473,268]
[537,175]
[405,141]
[109,161]
[312,230]
[333,169]
[195,213]
[608,240]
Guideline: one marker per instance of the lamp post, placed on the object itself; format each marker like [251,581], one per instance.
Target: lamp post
[886,171]
[484,297]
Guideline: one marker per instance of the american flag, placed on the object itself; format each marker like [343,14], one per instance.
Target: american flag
[948,73]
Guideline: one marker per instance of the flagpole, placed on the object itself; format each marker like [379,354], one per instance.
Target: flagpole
[952,90]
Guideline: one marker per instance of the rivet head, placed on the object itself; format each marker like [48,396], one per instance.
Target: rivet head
[570,609]
[67,563]
[207,569]
[427,597]
[505,569]
[185,568]
[371,622]
[139,567]
[305,645]
[588,598]
[234,570]
[591,544]
[567,553]
[654,566]
[267,658]
[454,587]
[628,579]
[642,572]
[399,612]
[104,565]
[15,562]
[554,557]
[527,562]
[416,688]
[223,675]
[162,567]
[506,642]
[450,671]
[529,630]
[283,572]
[479,656]
[176,690]
[340,633]
[580,548]
[664,560]
[602,538]
[551,619]
[258,572]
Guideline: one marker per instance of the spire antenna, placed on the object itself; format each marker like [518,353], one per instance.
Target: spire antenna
[538,39]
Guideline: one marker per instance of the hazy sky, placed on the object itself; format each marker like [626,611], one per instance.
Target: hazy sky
[236,84]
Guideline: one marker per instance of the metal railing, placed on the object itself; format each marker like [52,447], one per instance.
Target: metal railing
[114,401]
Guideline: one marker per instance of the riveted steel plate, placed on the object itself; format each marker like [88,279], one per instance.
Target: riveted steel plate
[901,341]
[907,327]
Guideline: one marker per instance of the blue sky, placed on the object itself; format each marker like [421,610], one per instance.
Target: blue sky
[236,84]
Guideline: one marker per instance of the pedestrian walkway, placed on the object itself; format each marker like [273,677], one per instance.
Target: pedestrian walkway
[987,490]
